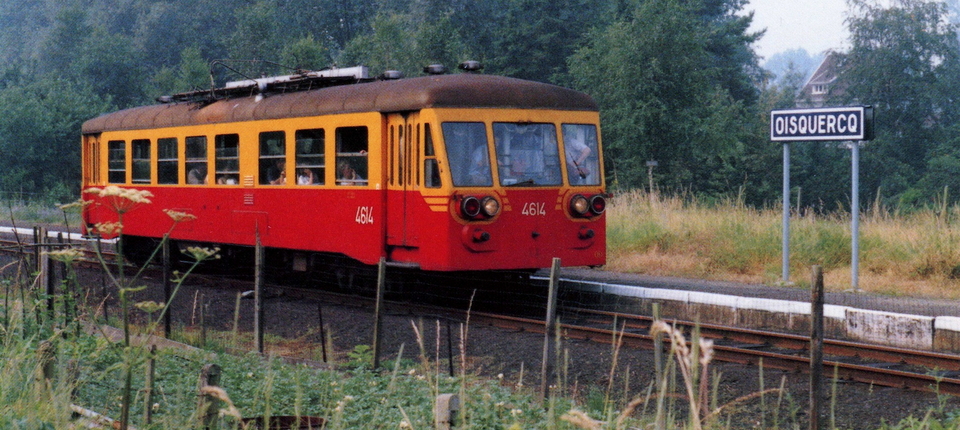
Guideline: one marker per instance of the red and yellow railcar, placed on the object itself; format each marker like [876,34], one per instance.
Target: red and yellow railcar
[453,172]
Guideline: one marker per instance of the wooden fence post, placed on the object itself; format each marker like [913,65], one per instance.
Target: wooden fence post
[550,330]
[148,388]
[208,406]
[816,347]
[657,349]
[377,320]
[166,287]
[258,296]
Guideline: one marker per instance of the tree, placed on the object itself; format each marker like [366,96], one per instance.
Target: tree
[108,63]
[904,62]
[656,105]
[40,125]
[255,36]
[306,53]
[66,38]
[193,73]
[537,36]
[385,47]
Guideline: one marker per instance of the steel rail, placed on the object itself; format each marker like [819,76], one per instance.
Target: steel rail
[744,356]
[832,347]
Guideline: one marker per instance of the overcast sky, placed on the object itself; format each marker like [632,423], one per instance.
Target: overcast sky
[814,25]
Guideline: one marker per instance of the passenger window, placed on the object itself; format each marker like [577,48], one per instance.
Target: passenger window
[431,170]
[168,162]
[196,162]
[273,158]
[580,149]
[117,162]
[310,163]
[352,156]
[227,162]
[141,161]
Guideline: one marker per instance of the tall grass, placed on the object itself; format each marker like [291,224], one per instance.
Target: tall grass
[915,253]
[30,213]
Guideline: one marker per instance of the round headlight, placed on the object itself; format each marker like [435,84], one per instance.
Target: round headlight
[598,204]
[579,205]
[470,206]
[491,207]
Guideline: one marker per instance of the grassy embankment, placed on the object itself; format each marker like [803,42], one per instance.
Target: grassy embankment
[906,254]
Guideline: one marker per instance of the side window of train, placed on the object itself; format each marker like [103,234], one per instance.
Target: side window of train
[467,153]
[431,170]
[117,162]
[168,162]
[580,149]
[311,167]
[352,144]
[141,161]
[273,158]
[227,158]
[196,162]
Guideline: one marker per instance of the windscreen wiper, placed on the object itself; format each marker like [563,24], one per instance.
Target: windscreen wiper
[522,183]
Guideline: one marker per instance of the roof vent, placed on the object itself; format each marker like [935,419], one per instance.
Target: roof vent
[435,69]
[470,66]
[390,75]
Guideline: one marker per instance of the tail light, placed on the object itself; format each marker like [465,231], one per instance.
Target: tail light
[598,204]
[470,207]
[583,207]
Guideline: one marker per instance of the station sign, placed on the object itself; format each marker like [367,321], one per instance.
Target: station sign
[831,123]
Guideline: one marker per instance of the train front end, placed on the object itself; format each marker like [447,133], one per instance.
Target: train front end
[511,189]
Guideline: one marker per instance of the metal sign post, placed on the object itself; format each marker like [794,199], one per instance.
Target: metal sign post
[785,274]
[855,215]
[823,124]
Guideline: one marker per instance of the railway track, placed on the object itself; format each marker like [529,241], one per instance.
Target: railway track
[866,363]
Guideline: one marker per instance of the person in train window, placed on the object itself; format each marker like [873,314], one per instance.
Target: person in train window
[197,175]
[577,152]
[479,173]
[347,175]
[306,177]
[277,175]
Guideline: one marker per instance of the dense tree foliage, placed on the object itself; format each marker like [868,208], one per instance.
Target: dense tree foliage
[905,61]
[678,81]
[658,105]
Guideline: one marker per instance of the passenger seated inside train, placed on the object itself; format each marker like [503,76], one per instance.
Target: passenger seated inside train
[277,174]
[306,177]
[347,175]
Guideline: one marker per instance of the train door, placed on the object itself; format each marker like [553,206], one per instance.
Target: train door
[91,160]
[402,178]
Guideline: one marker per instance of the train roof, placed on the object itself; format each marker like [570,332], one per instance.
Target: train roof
[464,90]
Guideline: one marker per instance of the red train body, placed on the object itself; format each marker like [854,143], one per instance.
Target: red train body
[423,193]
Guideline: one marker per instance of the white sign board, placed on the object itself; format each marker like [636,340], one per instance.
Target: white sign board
[834,123]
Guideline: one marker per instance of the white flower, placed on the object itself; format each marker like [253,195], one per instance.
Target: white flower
[68,255]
